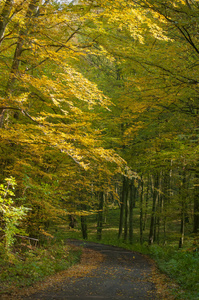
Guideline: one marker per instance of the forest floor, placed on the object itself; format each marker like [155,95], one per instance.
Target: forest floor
[105,272]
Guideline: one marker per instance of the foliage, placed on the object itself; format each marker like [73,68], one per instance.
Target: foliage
[179,264]
[96,94]
[47,108]
[11,214]
[35,264]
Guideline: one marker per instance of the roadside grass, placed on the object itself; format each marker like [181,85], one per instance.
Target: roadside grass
[34,264]
[182,266]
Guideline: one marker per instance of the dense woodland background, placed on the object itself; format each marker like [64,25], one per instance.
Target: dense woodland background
[99,113]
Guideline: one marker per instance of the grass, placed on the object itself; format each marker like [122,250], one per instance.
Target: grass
[182,266]
[34,264]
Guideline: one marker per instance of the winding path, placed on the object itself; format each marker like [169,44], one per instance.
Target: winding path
[121,275]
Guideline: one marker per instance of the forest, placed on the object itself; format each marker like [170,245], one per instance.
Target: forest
[99,128]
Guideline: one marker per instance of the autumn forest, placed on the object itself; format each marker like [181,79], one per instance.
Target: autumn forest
[99,117]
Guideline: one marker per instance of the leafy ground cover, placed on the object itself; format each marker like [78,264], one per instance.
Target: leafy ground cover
[35,264]
[81,265]
[182,266]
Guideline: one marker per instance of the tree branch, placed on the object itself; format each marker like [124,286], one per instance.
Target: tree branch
[3,108]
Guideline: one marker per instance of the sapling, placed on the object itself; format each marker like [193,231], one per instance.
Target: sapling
[11,214]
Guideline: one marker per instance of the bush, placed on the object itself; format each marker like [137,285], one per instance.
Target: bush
[36,264]
[11,214]
[180,265]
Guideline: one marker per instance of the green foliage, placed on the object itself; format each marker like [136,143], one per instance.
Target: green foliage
[11,214]
[125,55]
[180,265]
[35,264]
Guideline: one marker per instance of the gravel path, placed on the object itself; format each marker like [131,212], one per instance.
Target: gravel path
[121,275]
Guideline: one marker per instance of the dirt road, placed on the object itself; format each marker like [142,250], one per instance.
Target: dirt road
[122,274]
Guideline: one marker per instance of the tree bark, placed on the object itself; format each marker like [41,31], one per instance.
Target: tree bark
[131,206]
[122,207]
[160,205]
[182,196]
[84,227]
[196,203]
[32,8]
[141,211]
[152,225]
[100,216]
[5,17]
[4,20]
[146,203]
[126,209]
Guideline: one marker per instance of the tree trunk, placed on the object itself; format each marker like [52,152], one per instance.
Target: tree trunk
[4,17]
[146,203]
[160,205]
[126,209]
[182,229]
[152,225]
[84,227]
[196,203]
[165,196]
[32,8]
[183,206]
[100,216]
[84,222]
[141,211]
[131,206]
[122,208]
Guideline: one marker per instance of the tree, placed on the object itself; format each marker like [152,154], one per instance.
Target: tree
[156,94]
[46,104]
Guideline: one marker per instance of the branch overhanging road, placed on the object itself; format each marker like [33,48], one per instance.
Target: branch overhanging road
[121,275]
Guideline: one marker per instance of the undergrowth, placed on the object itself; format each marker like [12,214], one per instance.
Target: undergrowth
[181,265]
[34,264]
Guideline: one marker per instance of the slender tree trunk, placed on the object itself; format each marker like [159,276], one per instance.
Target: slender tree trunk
[160,204]
[4,20]
[155,225]
[84,223]
[126,209]
[166,193]
[158,220]
[122,207]
[183,206]
[182,229]
[146,203]
[84,227]
[131,206]
[100,216]
[196,203]
[4,17]
[196,214]
[152,225]
[2,115]
[188,4]
[141,211]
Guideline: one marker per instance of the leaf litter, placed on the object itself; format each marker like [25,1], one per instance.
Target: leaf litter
[90,260]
